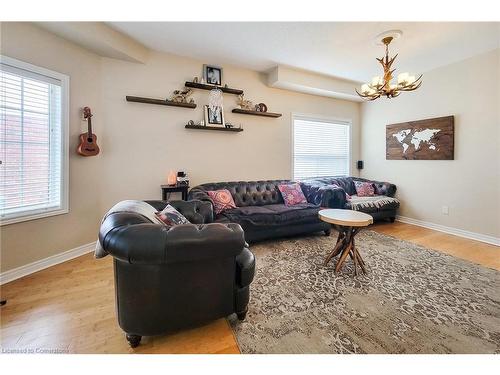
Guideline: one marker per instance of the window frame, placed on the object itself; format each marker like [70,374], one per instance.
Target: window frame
[64,207]
[320,118]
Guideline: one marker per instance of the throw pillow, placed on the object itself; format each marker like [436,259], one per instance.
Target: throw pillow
[292,194]
[364,189]
[222,200]
[170,216]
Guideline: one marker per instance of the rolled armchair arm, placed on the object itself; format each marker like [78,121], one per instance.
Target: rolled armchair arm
[324,195]
[245,268]
[137,242]
[196,211]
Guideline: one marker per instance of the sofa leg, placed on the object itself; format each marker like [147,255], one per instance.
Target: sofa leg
[242,315]
[392,219]
[328,232]
[133,340]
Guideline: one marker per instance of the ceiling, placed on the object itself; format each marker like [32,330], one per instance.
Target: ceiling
[341,49]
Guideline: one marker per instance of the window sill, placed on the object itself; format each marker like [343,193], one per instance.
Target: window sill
[33,216]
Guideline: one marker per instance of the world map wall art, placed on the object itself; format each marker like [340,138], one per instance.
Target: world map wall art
[431,139]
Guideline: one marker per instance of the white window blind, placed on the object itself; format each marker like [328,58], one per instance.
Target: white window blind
[320,148]
[32,141]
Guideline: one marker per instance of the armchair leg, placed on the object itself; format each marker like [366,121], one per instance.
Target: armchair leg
[133,340]
[392,219]
[242,315]
[328,232]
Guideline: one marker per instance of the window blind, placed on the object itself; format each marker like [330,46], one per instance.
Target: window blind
[321,148]
[31,141]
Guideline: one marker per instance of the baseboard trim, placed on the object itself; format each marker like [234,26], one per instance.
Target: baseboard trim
[457,232]
[42,264]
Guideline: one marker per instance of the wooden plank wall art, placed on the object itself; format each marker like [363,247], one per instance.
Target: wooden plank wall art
[431,139]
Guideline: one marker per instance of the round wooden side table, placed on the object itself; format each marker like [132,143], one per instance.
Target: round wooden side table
[348,223]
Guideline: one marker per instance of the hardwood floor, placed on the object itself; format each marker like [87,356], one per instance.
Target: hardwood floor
[471,250]
[70,307]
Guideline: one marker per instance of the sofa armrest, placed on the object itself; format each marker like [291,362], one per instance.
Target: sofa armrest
[124,236]
[381,187]
[199,194]
[324,195]
[196,211]
[245,268]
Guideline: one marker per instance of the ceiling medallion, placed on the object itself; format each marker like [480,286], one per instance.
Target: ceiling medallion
[382,86]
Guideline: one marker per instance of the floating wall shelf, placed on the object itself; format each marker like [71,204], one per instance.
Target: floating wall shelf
[256,113]
[219,128]
[204,86]
[139,99]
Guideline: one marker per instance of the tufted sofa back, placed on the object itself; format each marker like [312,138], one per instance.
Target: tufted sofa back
[245,193]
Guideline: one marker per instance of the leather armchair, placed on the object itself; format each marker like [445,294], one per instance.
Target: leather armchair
[169,278]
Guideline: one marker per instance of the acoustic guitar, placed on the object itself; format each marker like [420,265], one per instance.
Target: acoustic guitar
[88,145]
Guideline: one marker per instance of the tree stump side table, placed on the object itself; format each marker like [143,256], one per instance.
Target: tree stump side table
[348,223]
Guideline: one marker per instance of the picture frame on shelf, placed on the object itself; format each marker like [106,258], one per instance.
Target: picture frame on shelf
[214,118]
[212,74]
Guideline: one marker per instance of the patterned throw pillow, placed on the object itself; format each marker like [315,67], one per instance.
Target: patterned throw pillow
[222,199]
[170,216]
[364,189]
[292,194]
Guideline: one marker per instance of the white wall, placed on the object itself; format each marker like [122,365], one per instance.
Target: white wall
[468,185]
[140,143]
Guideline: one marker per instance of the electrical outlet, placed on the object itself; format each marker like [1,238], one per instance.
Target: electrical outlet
[445,210]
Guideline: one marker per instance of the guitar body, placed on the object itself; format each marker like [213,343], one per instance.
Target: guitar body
[88,145]
[88,141]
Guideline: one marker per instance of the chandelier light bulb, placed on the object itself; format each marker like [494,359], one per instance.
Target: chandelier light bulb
[403,78]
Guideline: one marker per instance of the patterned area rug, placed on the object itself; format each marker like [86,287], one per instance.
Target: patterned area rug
[413,300]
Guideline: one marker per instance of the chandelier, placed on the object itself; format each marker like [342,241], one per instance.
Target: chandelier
[382,86]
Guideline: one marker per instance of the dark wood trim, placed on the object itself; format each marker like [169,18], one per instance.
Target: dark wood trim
[139,99]
[204,86]
[256,113]
[220,128]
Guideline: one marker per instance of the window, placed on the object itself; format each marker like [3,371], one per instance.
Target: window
[320,148]
[33,142]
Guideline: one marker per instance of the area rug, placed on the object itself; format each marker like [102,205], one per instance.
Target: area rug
[413,300]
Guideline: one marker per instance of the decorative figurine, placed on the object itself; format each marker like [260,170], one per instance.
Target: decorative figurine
[195,80]
[245,104]
[182,96]
[261,107]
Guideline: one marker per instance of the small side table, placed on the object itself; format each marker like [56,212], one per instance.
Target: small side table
[165,189]
[348,223]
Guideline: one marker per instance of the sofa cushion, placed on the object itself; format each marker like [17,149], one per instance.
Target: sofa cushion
[372,204]
[222,200]
[170,216]
[272,214]
[292,194]
[364,189]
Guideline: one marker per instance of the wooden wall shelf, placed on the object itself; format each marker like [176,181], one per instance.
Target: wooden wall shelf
[256,113]
[139,99]
[204,86]
[219,128]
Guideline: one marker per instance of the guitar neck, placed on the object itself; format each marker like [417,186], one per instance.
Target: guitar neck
[89,123]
